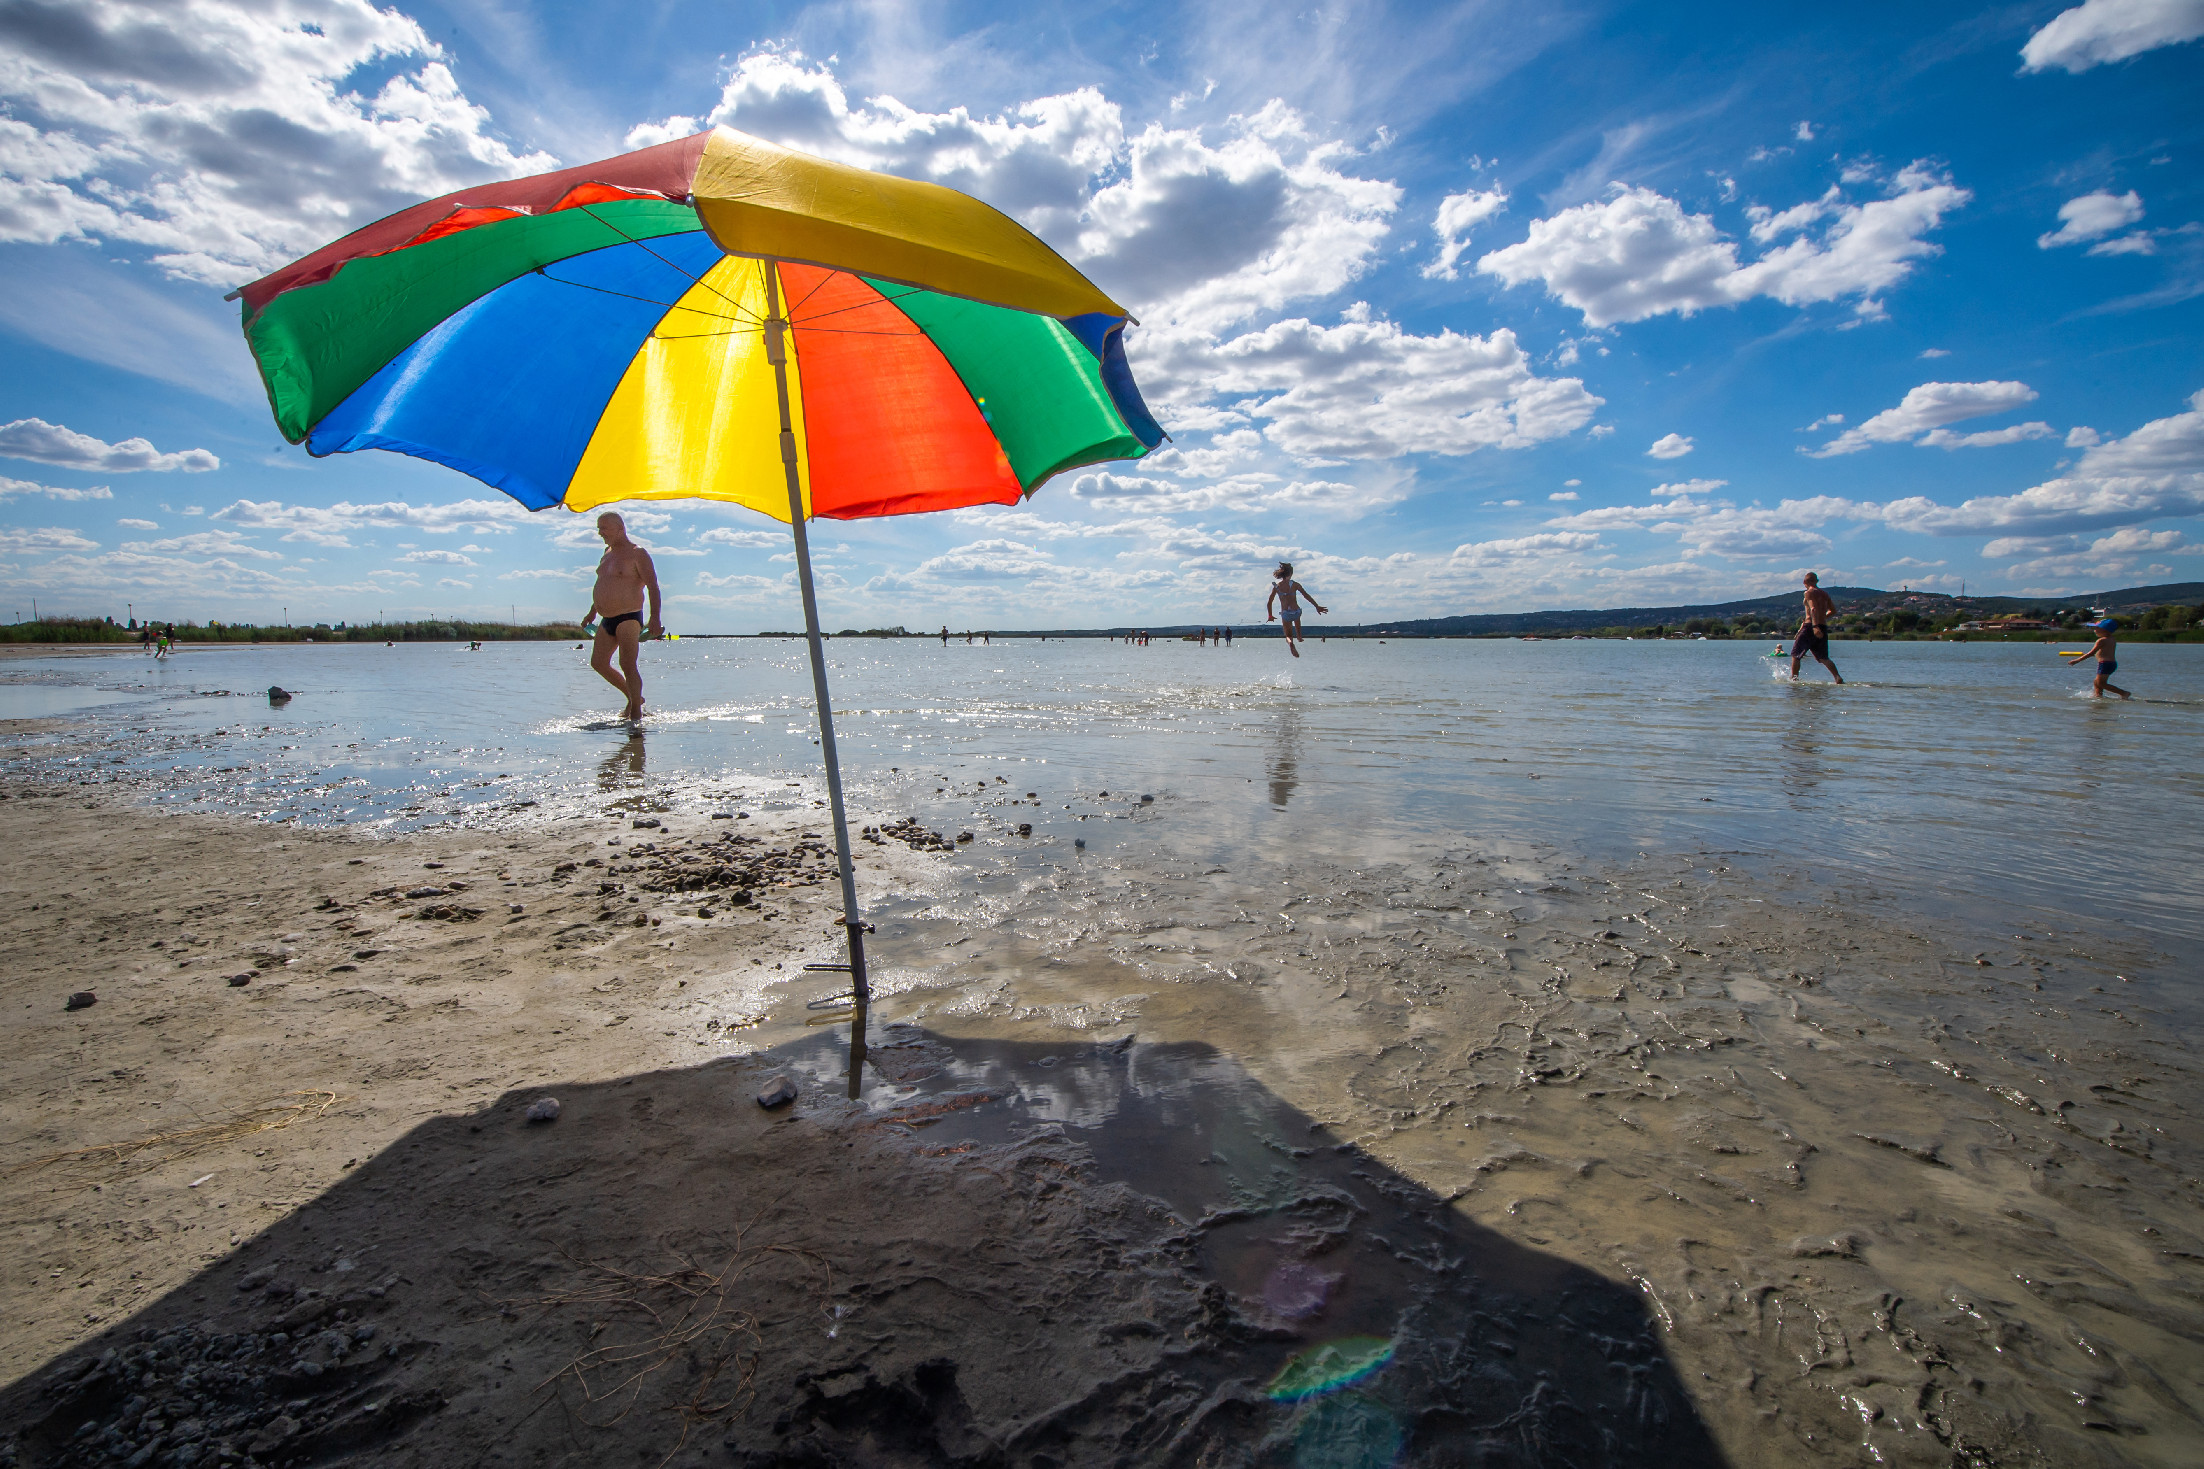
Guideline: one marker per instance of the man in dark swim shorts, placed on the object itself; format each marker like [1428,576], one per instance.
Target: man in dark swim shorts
[624,577]
[1813,629]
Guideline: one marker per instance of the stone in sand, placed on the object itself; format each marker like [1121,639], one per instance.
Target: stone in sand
[543,1109]
[81,1000]
[778,1092]
[275,1435]
[239,981]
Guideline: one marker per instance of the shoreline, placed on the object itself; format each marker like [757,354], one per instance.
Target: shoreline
[1755,1109]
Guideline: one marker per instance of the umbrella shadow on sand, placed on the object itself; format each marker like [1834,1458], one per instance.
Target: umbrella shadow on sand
[1005,1255]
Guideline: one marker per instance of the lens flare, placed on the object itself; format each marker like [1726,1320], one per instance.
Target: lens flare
[1330,1367]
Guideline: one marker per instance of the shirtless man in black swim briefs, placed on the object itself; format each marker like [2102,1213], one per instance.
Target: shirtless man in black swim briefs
[623,577]
[1813,629]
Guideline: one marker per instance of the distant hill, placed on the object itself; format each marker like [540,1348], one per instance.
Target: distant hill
[1782,608]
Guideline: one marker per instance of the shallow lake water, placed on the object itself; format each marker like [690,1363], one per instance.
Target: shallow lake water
[1974,775]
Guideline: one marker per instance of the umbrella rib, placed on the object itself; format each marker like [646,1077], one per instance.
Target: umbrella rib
[745,331]
[885,300]
[662,260]
[626,296]
[816,287]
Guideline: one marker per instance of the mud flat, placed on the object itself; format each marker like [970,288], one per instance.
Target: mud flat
[1472,1157]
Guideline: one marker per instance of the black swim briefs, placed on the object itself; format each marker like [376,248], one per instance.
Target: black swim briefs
[610,627]
[1812,643]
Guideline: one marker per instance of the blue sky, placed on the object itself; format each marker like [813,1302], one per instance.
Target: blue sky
[1462,308]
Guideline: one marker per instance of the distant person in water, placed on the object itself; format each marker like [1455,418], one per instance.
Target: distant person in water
[624,576]
[2106,650]
[1285,593]
[1813,629]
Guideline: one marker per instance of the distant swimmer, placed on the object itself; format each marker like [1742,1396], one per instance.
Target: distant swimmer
[1813,629]
[1285,592]
[2106,650]
[623,577]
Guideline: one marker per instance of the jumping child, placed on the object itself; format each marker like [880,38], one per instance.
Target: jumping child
[1283,591]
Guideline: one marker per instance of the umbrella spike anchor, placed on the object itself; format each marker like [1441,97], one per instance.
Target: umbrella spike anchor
[854,927]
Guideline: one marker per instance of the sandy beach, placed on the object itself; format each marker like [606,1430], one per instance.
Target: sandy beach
[1647,1166]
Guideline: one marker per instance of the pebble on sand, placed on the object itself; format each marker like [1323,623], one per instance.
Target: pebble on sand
[543,1109]
[81,1000]
[239,981]
[778,1092]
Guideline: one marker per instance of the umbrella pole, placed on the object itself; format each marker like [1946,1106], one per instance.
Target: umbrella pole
[853,925]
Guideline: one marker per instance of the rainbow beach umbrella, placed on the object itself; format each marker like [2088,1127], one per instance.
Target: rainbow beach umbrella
[715,318]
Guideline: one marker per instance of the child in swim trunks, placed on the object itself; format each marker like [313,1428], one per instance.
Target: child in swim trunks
[1285,593]
[2106,650]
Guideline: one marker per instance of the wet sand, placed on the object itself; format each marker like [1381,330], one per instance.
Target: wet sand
[1662,1165]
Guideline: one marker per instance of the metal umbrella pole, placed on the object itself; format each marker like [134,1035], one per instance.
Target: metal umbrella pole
[853,925]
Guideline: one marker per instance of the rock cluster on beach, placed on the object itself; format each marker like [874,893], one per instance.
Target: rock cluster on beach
[302,1378]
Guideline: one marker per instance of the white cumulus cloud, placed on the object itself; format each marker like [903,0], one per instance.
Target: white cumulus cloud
[1483,554]
[1671,446]
[439,558]
[2091,216]
[1197,225]
[227,136]
[331,525]
[748,540]
[11,488]
[50,443]
[31,540]
[1457,215]
[1638,254]
[203,543]
[2154,472]
[1921,415]
[2099,31]
[1367,389]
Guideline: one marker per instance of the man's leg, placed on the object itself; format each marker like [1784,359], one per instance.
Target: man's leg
[1823,660]
[600,658]
[631,644]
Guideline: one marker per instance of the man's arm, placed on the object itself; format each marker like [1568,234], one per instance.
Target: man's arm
[650,585]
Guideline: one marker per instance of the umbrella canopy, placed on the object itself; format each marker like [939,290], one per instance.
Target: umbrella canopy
[598,334]
[714,319]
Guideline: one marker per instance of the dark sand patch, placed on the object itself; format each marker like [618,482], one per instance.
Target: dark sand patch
[1186,1271]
